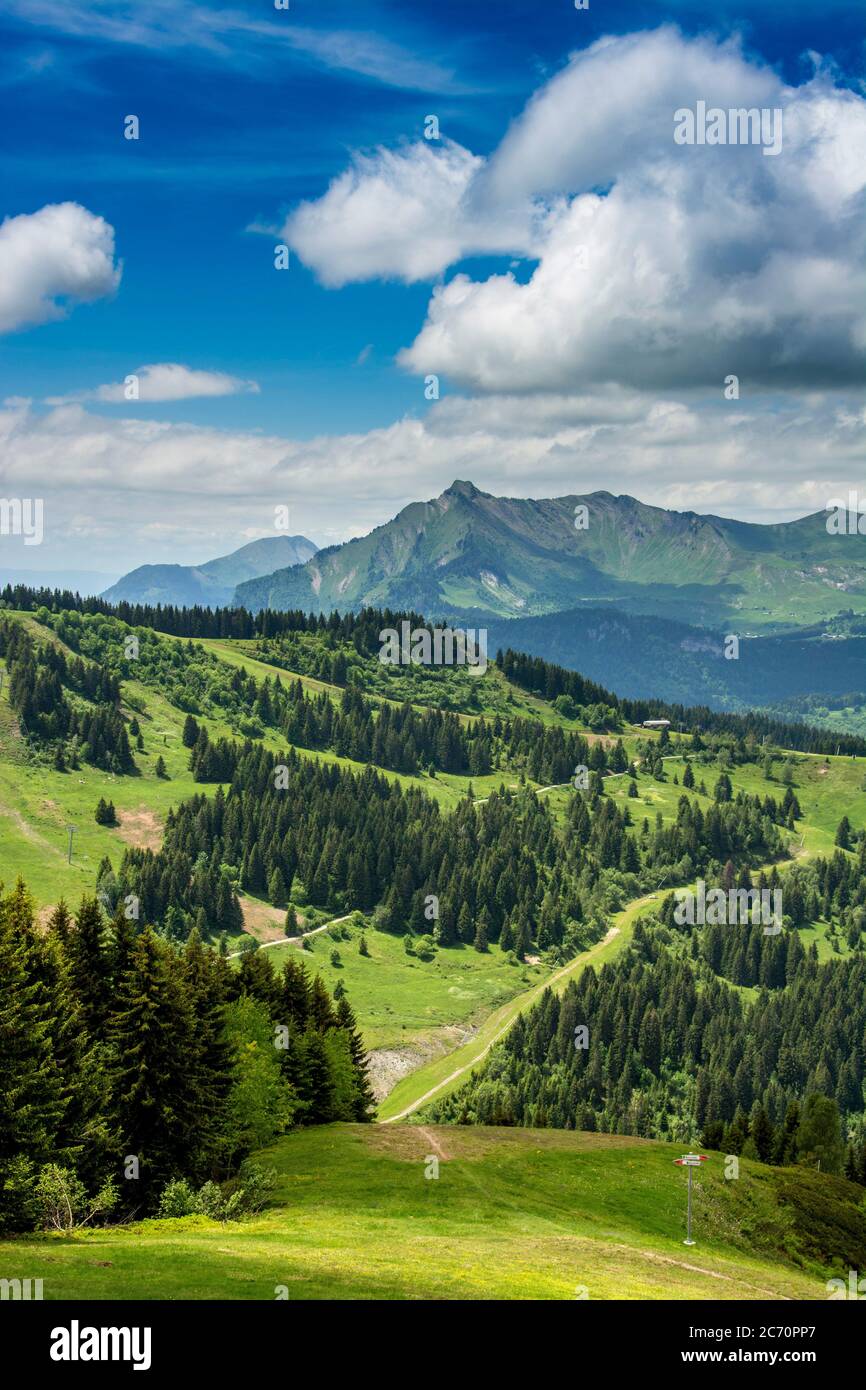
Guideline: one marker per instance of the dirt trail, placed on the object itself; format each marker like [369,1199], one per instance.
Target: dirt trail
[468,1066]
[293,940]
[28,831]
[434,1143]
[656,1258]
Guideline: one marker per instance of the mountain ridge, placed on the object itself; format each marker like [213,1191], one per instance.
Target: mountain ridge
[214,582]
[469,553]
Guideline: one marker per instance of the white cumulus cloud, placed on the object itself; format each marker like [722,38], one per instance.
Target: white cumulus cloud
[655,264]
[50,260]
[395,214]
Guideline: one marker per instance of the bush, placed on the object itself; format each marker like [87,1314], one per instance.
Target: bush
[254,1186]
[241,1196]
[178,1199]
[209,1201]
[64,1202]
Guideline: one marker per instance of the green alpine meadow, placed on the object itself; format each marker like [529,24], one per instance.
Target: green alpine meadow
[302,946]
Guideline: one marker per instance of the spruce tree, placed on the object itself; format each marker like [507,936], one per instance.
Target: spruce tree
[365,1101]
[31,1088]
[155,1094]
[90,967]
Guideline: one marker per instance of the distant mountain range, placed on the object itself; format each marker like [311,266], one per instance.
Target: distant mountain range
[468,553]
[636,597]
[213,584]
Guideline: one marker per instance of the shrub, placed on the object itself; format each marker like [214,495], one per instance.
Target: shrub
[241,1196]
[64,1202]
[178,1199]
[255,1185]
[209,1201]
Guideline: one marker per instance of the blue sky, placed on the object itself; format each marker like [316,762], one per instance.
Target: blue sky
[247,112]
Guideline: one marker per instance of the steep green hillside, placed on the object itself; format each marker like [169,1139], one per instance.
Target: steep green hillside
[642,656]
[513,1214]
[426,1013]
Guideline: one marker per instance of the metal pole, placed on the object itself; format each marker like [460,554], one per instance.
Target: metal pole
[71,829]
[688,1240]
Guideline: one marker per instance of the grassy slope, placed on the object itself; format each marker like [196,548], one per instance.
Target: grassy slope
[399,998]
[423,1008]
[37,803]
[513,1214]
[446,1074]
[516,1214]
[824,790]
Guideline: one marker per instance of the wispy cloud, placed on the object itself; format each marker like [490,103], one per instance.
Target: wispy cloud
[233,35]
[161,381]
[151,490]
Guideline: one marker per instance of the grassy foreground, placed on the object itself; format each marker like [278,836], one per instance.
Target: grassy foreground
[513,1214]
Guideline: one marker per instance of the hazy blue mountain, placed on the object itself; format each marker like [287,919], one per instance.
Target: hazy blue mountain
[212,584]
[638,655]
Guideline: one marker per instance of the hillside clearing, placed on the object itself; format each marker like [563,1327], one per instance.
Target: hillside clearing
[512,1214]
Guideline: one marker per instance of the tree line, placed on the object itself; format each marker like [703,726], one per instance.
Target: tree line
[129,1063]
[541,677]
[38,673]
[672,1052]
[362,629]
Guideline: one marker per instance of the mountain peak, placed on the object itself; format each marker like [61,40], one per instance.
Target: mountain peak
[460,488]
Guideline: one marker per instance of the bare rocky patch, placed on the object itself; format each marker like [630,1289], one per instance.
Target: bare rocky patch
[388,1065]
[141,828]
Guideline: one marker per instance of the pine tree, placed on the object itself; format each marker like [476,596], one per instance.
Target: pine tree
[843,833]
[522,939]
[277,888]
[155,1100]
[480,943]
[465,927]
[190,732]
[206,979]
[60,922]
[313,1079]
[819,1136]
[31,1089]
[89,967]
[322,1015]
[364,1101]
[762,1134]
